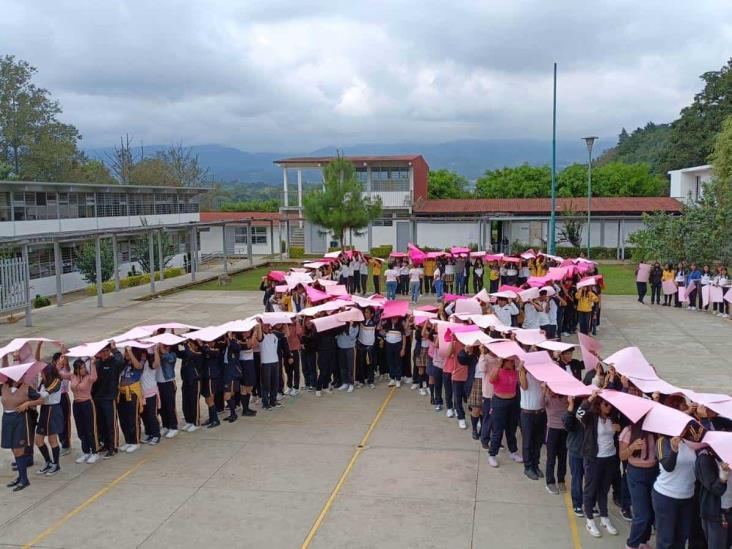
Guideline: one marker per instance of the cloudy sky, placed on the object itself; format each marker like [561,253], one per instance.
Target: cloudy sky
[295,75]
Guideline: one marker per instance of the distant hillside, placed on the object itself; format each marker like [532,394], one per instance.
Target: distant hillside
[469,158]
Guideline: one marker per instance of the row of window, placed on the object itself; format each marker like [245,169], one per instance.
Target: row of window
[29,206]
[259,235]
[382,174]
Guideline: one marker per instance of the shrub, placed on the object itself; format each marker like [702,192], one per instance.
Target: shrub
[132,281]
[596,252]
[382,251]
[40,301]
[297,252]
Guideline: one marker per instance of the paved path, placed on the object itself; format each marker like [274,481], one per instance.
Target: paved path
[418,481]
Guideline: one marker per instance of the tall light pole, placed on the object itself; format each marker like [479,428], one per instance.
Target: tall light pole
[589,141]
[553,215]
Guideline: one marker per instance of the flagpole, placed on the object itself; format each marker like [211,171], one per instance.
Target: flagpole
[553,218]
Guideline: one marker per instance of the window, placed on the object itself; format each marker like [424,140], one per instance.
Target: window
[165,203]
[5,207]
[390,179]
[111,204]
[362,175]
[259,235]
[382,222]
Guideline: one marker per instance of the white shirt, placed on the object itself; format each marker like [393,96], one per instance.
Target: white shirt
[449,269]
[679,483]
[531,317]
[404,270]
[531,396]
[415,274]
[437,275]
[511,272]
[605,438]
[552,312]
[246,354]
[525,272]
[393,336]
[391,275]
[148,380]
[504,313]
[366,335]
[268,348]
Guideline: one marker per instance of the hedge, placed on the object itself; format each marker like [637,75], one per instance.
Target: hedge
[132,281]
[596,252]
[381,251]
[297,252]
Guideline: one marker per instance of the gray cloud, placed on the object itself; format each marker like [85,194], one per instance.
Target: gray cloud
[296,75]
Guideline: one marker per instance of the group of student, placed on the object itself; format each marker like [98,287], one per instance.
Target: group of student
[695,279]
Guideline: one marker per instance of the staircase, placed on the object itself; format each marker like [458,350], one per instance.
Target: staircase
[297,236]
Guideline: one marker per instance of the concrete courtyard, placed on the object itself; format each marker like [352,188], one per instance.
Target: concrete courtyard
[376,468]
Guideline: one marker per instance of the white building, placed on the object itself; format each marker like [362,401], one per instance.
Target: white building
[688,183]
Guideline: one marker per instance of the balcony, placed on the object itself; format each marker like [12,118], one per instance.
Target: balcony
[391,200]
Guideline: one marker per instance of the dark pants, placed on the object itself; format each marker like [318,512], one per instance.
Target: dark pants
[532,437]
[403,284]
[585,322]
[293,371]
[393,360]
[407,358]
[656,294]
[107,422]
[556,454]
[598,477]
[65,436]
[577,470]
[486,423]
[692,297]
[458,395]
[673,520]
[150,416]
[257,389]
[129,419]
[717,537]
[364,281]
[190,393]
[85,418]
[642,288]
[494,286]
[326,363]
[437,387]
[447,384]
[377,284]
[550,330]
[365,365]
[640,484]
[427,285]
[503,419]
[168,416]
[270,381]
[345,365]
[309,370]
[356,284]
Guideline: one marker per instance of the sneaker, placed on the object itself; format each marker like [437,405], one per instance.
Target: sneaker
[423,392]
[492,461]
[450,412]
[294,392]
[343,387]
[407,380]
[213,424]
[65,451]
[164,431]
[461,424]
[93,459]
[185,426]
[147,439]
[45,469]
[605,521]
[154,441]
[578,512]
[372,386]
[21,486]
[592,528]
[277,404]
[516,457]
[531,474]
[82,458]
[350,389]
[249,413]
[132,448]
[398,384]
[124,447]
[552,489]
[725,315]
[191,428]
[392,383]
[475,435]
[279,397]
[627,515]
[438,408]
[108,454]
[172,433]
[55,468]
[414,386]
[318,393]
[538,472]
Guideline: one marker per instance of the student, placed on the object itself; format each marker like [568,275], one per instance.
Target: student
[309,351]
[395,347]
[462,378]
[486,363]
[375,274]
[429,272]
[504,379]
[231,375]
[494,276]
[638,448]
[17,397]
[164,364]
[655,278]
[415,282]
[50,420]
[448,276]
[477,276]
[109,365]
[211,380]
[421,354]
[722,280]
[459,268]
[190,374]
[365,347]
[523,273]
[547,314]
[81,378]
[571,365]
[438,282]
[131,401]
[391,275]
[599,459]
[505,310]
[575,439]
[586,299]
[693,277]
[364,273]
[61,363]
[715,499]
[248,375]
[673,492]
[556,441]
[326,353]
[355,286]
[533,422]
[668,275]
[680,279]
[404,278]
[532,311]
[294,333]
[346,342]
[274,348]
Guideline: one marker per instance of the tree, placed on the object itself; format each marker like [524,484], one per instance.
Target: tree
[141,250]
[572,226]
[86,261]
[90,171]
[184,168]
[32,140]
[520,182]
[151,172]
[270,205]
[446,184]
[123,159]
[340,205]
[646,145]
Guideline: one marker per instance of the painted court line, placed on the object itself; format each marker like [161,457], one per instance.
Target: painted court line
[346,471]
[572,521]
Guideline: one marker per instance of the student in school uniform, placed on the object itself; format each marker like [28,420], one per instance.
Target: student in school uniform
[392,330]
[404,278]
[109,366]
[533,422]
[504,378]
[475,398]
[248,375]
[575,439]
[437,281]
[463,376]
[586,300]
[164,360]
[655,279]
[556,441]
[376,267]
[494,276]
[356,270]
[309,353]
[81,377]
[435,364]
[477,276]
[327,357]
[190,374]
[392,281]
[429,272]
[415,282]
[294,333]
[346,342]
[211,379]
[61,363]
[50,420]
[131,401]
[17,398]
[485,365]
[523,273]
[421,353]
[668,275]
[723,281]
[715,499]
[680,279]
[231,375]
[273,345]
[366,348]
[448,276]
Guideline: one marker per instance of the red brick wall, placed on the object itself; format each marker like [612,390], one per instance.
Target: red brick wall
[421,171]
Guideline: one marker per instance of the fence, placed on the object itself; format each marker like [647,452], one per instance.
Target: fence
[13,278]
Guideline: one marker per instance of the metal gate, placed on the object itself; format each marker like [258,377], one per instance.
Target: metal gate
[403,235]
[13,291]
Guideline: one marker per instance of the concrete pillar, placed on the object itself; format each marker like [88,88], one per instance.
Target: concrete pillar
[622,239]
[271,239]
[151,259]
[287,235]
[285,185]
[192,254]
[115,254]
[369,184]
[59,271]
[299,188]
[369,238]
[279,243]
[160,255]
[98,254]
[223,254]
[26,288]
[249,243]
[617,255]
[414,232]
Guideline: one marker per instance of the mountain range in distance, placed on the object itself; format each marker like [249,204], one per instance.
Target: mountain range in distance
[470,158]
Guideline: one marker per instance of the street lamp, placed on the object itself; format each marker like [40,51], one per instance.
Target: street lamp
[589,141]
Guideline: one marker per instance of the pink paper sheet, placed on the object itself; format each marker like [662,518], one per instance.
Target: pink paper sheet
[459,329]
[244,325]
[395,308]
[728,296]
[415,254]
[428,308]
[87,349]
[325,282]
[473,338]
[277,276]
[350,315]
[665,420]
[486,321]
[28,371]
[557,273]
[483,296]
[721,443]
[682,293]
[589,281]
[337,290]
[589,346]
[508,294]
[631,362]
[469,306]
[644,273]
[275,318]
[528,295]
[652,385]
[705,294]
[456,250]
[315,295]
[632,407]
[327,323]
[669,287]
[506,349]
[716,294]
[558,346]
[24,343]
[169,326]
[282,288]
[209,333]
[529,337]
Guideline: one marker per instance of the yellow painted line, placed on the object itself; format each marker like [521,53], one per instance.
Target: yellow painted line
[347,471]
[572,521]
[86,503]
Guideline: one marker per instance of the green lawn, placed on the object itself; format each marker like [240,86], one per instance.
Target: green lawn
[619,279]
